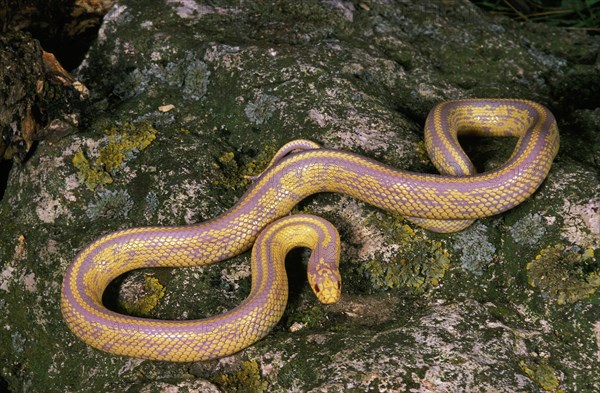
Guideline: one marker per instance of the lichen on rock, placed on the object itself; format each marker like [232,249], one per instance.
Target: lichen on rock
[543,374]
[110,205]
[528,230]
[261,110]
[565,274]
[120,145]
[190,97]
[90,174]
[246,379]
[419,263]
[139,298]
[476,249]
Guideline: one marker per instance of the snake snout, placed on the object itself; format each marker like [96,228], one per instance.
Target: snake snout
[327,287]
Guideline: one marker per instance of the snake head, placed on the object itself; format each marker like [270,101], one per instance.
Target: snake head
[326,284]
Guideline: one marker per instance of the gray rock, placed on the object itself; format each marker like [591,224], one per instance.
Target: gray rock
[189,97]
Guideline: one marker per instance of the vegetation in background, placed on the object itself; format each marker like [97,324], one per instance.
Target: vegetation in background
[579,14]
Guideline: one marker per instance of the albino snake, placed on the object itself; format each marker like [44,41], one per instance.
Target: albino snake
[443,203]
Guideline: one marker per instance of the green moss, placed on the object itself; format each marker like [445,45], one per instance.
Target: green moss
[121,144]
[232,172]
[419,263]
[247,379]
[152,292]
[565,274]
[307,318]
[543,374]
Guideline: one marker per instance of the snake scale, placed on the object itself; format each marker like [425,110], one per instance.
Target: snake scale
[443,202]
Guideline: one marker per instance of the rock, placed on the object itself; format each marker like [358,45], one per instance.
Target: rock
[471,311]
[65,28]
[40,100]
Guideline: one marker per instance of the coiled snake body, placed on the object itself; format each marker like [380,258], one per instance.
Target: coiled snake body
[443,203]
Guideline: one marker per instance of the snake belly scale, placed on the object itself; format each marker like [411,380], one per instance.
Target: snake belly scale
[443,202]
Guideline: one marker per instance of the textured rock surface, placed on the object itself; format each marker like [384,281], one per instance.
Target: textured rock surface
[188,97]
[39,100]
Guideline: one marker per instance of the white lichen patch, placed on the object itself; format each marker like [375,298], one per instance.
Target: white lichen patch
[48,209]
[262,108]
[477,250]
[90,145]
[321,118]
[225,56]
[49,250]
[129,366]
[116,14]
[110,205]
[233,274]
[6,277]
[11,276]
[582,223]
[30,282]
[345,8]
[71,183]
[528,230]
[271,362]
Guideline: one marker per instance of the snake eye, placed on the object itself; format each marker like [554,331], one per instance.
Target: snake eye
[317,289]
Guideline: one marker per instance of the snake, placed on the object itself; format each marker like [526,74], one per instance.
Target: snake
[442,202]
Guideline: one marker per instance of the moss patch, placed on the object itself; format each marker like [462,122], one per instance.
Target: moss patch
[543,374]
[310,317]
[89,173]
[146,299]
[247,379]
[232,171]
[565,274]
[121,144]
[419,263]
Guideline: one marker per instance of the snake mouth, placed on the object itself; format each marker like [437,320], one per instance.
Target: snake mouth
[330,300]
[330,294]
